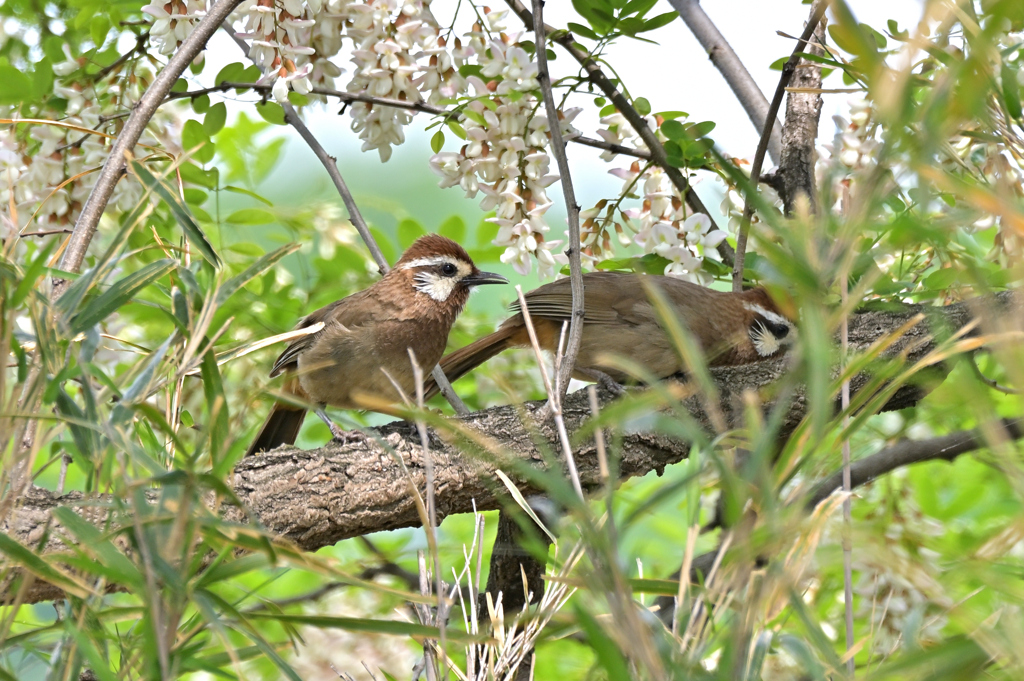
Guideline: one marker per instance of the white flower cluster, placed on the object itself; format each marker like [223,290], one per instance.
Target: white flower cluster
[854,144]
[174,21]
[505,156]
[50,171]
[661,224]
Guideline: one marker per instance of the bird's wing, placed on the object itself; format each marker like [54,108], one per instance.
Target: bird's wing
[554,300]
[347,313]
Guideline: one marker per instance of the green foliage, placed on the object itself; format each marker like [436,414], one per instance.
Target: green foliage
[139,389]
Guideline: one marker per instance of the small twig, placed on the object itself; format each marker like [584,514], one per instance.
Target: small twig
[844,341]
[572,210]
[598,78]
[762,146]
[554,401]
[140,41]
[992,383]
[428,467]
[728,63]
[47,232]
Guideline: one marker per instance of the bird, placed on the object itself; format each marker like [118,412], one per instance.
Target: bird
[365,339]
[731,328]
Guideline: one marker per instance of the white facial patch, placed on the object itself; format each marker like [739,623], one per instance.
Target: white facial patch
[765,341]
[429,262]
[768,314]
[433,281]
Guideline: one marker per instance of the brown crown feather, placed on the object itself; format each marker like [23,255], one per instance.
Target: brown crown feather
[431,245]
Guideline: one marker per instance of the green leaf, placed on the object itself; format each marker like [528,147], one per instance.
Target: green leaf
[252,271]
[189,226]
[98,28]
[581,30]
[437,141]
[940,280]
[454,228]
[408,231]
[195,197]
[139,389]
[91,540]
[32,274]
[232,73]
[18,554]
[1011,90]
[119,295]
[659,21]
[251,216]
[218,425]
[201,104]
[215,118]
[195,139]
[608,654]
[196,175]
[674,130]
[642,106]
[700,129]
[42,79]
[271,112]
[638,7]
[15,87]
[240,190]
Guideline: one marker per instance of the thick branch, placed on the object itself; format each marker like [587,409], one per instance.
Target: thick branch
[817,12]
[316,498]
[728,63]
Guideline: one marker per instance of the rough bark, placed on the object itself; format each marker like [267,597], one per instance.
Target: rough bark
[795,175]
[318,497]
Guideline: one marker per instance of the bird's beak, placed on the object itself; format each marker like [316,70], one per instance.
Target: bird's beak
[478,278]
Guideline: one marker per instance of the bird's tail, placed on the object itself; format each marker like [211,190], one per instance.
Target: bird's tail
[282,424]
[462,361]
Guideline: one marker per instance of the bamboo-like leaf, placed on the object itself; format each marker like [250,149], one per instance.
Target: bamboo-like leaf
[139,389]
[254,270]
[119,294]
[75,293]
[32,274]
[521,500]
[193,232]
[20,555]
[92,541]
[393,627]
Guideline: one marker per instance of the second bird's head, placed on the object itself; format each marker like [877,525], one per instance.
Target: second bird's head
[441,273]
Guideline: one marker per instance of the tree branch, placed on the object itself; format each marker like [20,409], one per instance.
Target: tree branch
[89,219]
[905,453]
[572,210]
[728,63]
[773,111]
[598,78]
[316,498]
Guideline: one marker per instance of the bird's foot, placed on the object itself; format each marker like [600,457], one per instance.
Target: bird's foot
[339,434]
[604,380]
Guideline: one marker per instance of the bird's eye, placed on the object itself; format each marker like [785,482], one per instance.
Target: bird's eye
[448,269]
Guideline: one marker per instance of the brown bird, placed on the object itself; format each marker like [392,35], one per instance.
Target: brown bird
[731,328]
[366,338]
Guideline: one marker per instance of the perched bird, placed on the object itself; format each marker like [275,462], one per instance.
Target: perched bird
[731,328]
[366,338]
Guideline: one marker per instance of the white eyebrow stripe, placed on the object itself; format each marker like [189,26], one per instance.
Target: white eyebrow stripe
[426,262]
[767,314]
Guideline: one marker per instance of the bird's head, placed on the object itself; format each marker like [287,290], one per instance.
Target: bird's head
[440,270]
[769,329]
